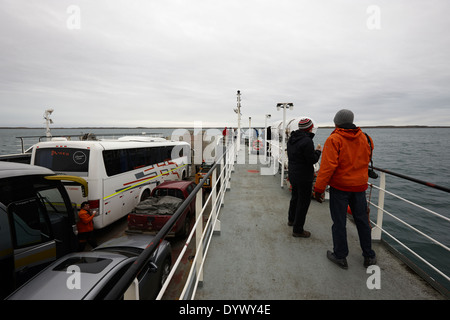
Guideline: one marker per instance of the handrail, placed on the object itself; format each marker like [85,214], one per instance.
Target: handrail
[413,203]
[410,226]
[127,279]
[207,230]
[378,226]
[428,184]
[210,225]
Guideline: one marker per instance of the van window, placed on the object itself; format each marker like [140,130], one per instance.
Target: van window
[34,205]
[31,224]
[63,159]
[53,201]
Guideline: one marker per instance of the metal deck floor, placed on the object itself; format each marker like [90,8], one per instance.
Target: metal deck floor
[255,257]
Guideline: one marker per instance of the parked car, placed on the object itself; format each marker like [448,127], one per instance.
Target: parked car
[99,270]
[154,212]
[37,221]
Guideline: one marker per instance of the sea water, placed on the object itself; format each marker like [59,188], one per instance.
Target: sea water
[421,153]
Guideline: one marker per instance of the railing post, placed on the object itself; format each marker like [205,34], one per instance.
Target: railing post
[22,144]
[213,202]
[198,235]
[132,292]
[376,231]
[230,164]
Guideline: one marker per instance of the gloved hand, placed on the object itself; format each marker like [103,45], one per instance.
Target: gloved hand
[319,196]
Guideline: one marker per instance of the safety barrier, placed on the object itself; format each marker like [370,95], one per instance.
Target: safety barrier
[219,184]
[378,231]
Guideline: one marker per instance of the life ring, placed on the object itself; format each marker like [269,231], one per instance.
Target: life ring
[257,144]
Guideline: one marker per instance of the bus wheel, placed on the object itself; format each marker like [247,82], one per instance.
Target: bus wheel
[145,194]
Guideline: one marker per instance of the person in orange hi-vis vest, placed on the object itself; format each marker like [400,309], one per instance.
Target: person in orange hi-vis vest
[85,227]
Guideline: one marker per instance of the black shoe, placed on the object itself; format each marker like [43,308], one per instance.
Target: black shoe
[369,261]
[304,234]
[340,262]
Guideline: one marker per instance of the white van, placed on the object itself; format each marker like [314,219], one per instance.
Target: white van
[119,172]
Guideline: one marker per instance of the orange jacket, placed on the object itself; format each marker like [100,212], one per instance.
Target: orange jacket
[85,224]
[345,161]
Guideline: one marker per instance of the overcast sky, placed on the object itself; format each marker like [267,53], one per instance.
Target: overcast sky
[169,63]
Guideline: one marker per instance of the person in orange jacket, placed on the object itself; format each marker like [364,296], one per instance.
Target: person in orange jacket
[344,167]
[85,227]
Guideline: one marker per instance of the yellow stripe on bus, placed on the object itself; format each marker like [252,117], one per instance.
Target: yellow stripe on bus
[139,183]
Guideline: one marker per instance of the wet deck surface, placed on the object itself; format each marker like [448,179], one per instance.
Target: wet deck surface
[255,257]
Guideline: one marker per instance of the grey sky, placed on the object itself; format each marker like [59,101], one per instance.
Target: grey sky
[170,63]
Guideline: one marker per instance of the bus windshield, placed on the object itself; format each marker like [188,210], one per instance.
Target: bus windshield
[71,160]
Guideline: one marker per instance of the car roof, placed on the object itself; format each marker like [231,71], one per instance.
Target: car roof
[53,282]
[175,184]
[13,169]
[140,241]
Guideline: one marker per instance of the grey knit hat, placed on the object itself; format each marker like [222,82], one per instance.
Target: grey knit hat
[343,116]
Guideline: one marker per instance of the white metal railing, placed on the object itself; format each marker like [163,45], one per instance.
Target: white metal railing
[378,230]
[203,234]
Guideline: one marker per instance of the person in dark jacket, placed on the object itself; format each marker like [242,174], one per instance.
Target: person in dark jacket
[301,160]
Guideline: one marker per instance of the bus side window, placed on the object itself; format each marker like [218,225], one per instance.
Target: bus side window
[168,153]
[156,155]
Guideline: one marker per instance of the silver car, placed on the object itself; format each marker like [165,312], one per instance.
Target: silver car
[91,275]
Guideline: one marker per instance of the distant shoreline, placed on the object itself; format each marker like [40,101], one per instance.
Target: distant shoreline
[320,127]
[395,127]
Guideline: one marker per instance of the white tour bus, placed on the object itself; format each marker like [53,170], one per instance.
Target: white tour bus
[119,172]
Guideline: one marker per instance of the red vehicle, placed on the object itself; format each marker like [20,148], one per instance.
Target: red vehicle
[152,213]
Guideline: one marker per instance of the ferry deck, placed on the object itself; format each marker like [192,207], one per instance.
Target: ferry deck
[255,256]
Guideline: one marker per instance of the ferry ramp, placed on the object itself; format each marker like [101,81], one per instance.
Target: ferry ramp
[255,256]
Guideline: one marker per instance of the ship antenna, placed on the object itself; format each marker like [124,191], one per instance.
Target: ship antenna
[48,121]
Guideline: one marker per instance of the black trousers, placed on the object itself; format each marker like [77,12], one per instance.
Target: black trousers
[299,205]
[84,237]
[339,201]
